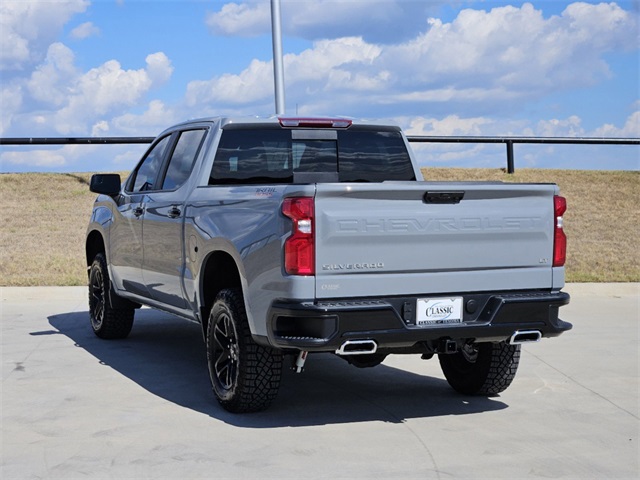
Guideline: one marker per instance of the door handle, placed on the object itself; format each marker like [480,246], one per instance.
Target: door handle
[138,211]
[174,212]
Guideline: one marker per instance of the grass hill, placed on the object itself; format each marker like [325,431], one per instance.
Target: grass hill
[45,215]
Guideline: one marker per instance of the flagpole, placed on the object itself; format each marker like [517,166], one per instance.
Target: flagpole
[278,68]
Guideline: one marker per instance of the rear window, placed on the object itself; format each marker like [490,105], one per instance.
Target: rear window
[272,156]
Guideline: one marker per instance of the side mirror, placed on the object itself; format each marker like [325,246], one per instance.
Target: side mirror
[105,183]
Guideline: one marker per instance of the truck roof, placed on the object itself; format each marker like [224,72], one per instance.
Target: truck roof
[333,121]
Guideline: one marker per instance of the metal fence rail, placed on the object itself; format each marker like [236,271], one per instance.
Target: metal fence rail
[508,141]
[76,140]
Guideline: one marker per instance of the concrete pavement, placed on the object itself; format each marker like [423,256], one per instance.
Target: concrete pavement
[75,406]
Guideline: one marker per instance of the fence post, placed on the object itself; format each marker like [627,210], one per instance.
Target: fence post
[510,163]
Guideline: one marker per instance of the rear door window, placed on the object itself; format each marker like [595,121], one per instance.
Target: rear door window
[183,158]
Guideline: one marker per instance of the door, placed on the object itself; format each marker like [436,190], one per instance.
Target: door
[164,260]
[126,244]
[126,238]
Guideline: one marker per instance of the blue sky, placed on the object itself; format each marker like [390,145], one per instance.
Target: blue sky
[437,67]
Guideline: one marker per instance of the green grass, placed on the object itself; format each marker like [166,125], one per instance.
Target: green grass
[44,218]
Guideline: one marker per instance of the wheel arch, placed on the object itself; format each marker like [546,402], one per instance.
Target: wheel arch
[219,271]
[94,245]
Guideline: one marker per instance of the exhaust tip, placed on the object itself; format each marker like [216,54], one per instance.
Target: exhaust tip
[357,347]
[525,336]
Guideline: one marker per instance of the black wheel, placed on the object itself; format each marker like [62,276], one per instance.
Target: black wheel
[107,322]
[245,376]
[481,368]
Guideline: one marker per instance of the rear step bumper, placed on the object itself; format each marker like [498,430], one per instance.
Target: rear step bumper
[389,323]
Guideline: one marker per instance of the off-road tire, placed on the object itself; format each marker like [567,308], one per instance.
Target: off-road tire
[107,322]
[482,368]
[245,376]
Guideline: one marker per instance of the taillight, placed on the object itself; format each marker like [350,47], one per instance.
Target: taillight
[299,248]
[559,238]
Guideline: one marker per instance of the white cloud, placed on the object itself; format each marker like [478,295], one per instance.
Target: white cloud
[159,68]
[85,30]
[451,125]
[526,155]
[510,49]
[330,64]
[74,158]
[454,125]
[454,154]
[43,89]
[374,20]
[74,101]
[11,101]
[107,86]
[631,128]
[151,122]
[28,28]
[51,80]
[241,19]
[568,127]
[249,86]
[344,55]
[100,128]
[14,50]
[445,77]
[128,159]
[35,158]
[482,60]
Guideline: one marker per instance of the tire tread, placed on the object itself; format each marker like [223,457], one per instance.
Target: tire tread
[492,372]
[117,322]
[259,380]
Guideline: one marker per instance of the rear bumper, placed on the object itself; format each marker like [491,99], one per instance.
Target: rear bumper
[488,317]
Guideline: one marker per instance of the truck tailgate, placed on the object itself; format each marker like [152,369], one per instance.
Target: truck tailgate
[423,237]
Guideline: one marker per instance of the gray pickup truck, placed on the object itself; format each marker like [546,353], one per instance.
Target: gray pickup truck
[288,236]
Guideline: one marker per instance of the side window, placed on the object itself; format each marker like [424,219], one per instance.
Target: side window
[149,168]
[183,158]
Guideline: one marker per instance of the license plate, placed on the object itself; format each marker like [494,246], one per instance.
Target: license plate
[439,311]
